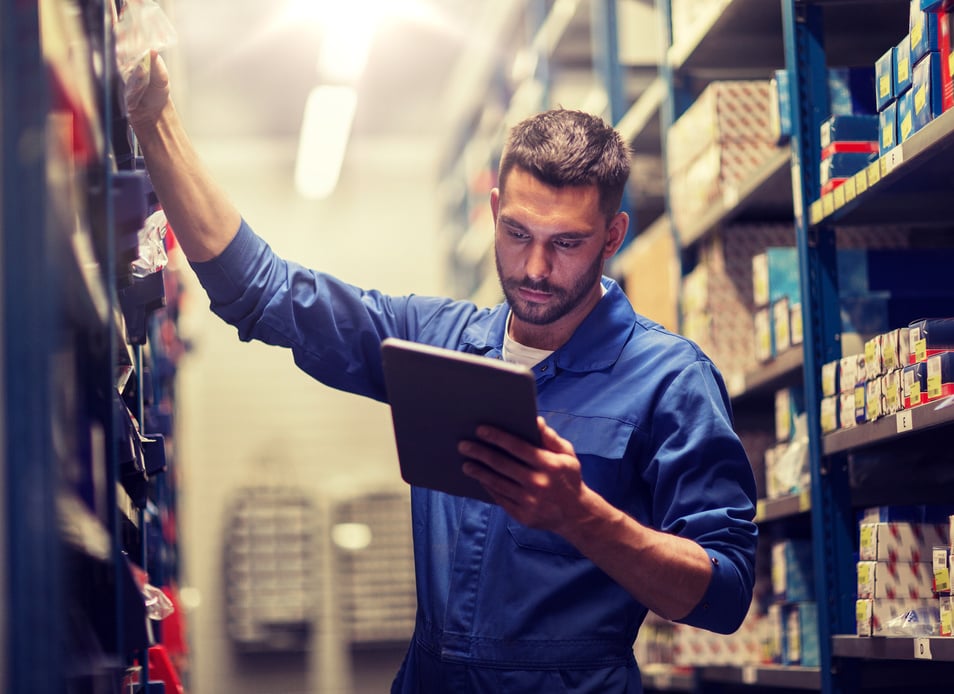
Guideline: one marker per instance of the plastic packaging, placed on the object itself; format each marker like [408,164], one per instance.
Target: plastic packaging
[152,248]
[140,27]
[922,621]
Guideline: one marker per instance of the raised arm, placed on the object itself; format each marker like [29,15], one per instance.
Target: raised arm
[202,216]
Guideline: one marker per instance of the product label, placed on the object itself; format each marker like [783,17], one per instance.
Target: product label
[920,349]
[934,377]
[904,70]
[884,86]
[917,32]
[887,136]
[920,99]
[907,125]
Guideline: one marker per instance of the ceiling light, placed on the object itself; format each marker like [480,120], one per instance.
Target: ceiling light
[325,129]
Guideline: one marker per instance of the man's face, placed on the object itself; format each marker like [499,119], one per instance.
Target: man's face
[550,246]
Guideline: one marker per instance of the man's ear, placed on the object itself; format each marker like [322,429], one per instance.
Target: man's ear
[495,203]
[615,234]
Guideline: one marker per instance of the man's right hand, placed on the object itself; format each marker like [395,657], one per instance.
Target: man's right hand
[147,91]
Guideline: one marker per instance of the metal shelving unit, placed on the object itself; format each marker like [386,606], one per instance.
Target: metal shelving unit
[893,190]
[83,422]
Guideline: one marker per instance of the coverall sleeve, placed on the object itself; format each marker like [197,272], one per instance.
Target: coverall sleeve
[704,490]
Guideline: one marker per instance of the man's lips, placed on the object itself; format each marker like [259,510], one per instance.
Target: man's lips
[534,295]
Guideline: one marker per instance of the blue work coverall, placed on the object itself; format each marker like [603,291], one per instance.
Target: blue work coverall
[503,607]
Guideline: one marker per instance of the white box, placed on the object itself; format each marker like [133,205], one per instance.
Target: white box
[882,579]
[872,614]
[909,542]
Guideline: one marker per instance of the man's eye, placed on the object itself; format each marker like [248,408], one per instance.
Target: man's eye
[517,234]
[567,244]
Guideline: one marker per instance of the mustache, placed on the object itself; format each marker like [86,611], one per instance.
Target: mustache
[539,286]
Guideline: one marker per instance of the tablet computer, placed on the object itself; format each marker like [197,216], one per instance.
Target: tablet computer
[439,397]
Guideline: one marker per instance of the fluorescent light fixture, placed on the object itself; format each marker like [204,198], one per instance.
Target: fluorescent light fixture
[326,126]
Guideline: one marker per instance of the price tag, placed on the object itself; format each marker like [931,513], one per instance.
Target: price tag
[851,189]
[874,173]
[804,499]
[760,509]
[892,158]
[903,421]
[750,674]
[815,213]
[828,204]
[861,181]
[839,195]
[922,649]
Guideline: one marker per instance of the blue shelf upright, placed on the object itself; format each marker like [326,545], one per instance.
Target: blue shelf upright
[831,516]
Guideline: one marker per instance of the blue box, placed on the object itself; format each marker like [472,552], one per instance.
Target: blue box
[926,90]
[801,639]
[873,314]
[856,128]
[905,116]
[902,272]
[792,571]
[775,275]
[922,29]
[888,128]
[902,66]
[884,78]
[851,90]
[781,105]
[843,165]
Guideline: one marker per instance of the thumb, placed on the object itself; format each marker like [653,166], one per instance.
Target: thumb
[551,440]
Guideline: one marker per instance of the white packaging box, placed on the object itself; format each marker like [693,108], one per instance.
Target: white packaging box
[873,358]
[892,393]
[846,410]
[829,378]
[908,542]
[947,615]
[829,414]
[891,357]
[872,614]
[874,405]
[883,579]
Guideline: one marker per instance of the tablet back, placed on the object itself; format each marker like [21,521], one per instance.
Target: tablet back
[439,396]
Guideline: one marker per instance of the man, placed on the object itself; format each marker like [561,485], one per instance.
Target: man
[640,496]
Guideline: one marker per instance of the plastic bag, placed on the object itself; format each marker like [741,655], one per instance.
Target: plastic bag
[921,621]
[140,27]
[152,248]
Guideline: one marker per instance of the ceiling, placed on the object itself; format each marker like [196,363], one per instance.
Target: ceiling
[246,71]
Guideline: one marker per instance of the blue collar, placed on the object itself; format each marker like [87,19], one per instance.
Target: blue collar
[595,345]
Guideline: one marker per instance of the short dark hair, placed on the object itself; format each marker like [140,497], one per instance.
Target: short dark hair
[562,147]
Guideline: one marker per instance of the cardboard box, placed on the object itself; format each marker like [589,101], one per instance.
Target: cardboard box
[792,571]
[801,626]
[905,103]
[873,614]
[851,372]
[874,400]
[854,128]
[914,385]
[902,66]
[892,392]
[940,376]
[789,404]
[873,314]
[874,363]
[891,356]
[885,579]
[780,107]
[829,378]
[846,410]
[843,165]
[884,79]
[901,542]
[922,30]
[945,24]
[926,90]
[930,336]
[781,325]
[888,127]
[732,114]
[829,413]
[775,275]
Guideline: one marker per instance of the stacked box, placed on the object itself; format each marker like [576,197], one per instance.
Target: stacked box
[895,579]
[926,90]
[717,309]
[892,392]
[902,66]
[873,614]
[884,79]
[792,571]
[940,376]
[914,385]
[905,116]
[888,128]
[789,404]
[720,141]
[801,645]
[922,30]
[945,23]
[901,542]
[929,336]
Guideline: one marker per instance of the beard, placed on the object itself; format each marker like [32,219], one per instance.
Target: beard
[563,299]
